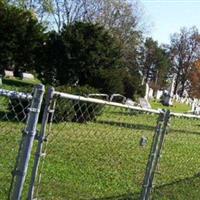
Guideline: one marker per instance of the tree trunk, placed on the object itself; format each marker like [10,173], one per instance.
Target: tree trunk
[182,88]
[176,84]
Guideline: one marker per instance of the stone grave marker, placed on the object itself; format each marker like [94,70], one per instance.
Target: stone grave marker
[144,103]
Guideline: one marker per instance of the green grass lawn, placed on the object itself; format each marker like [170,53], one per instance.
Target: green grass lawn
[177,107]
[103,159]
[16,84]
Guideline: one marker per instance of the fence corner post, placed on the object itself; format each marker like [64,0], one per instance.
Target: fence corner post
[156,148]
[41,138]
[29,133]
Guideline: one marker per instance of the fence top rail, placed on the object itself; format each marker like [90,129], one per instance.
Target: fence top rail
[14,94]
[104,102]
[190,116]
[137,108]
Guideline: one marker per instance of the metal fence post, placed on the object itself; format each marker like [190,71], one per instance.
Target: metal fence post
[41,138]
[155,153]
[27,144]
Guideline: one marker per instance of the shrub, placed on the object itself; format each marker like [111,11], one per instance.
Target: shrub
[73,110]
[18,109]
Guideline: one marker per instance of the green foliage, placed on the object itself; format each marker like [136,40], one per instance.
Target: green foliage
[21,37]
[18,109]
[78,52]
[69,110]
[155,63]
[109,81]
[16,82]
[51,58]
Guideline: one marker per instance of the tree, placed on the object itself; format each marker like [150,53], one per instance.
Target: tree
[184,51]
[194,80]
[50,58]
[20,38]
[41,8]
[78,52]
[121,17]
[155,63]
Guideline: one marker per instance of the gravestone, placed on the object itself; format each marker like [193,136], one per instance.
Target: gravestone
[129,102]
[194,105]
[118,98]
[168,100]
[27,76]
[150,96]
[159,94]
[8,73]
[1,79]
[147,92]
[197,110]
[144,103]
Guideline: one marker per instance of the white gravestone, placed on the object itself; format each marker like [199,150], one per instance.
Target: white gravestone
[171,93]
[147,91]
[194,105]
[144,103]
[8,73]
[27,76]
[1,79]
[169,98]
[150,96]
[159,94]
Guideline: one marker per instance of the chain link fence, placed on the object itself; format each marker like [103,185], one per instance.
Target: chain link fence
[13,114]
[94,149]
[178,174]
[19,114]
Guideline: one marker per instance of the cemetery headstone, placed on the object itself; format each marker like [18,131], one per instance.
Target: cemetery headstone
[129,102]
[8,73]
[150,96]
[147,91]
[168,99]
[1,79]
[118,98]
[197,110]
[159,94]
[27,76]
[194,105]
[144,103]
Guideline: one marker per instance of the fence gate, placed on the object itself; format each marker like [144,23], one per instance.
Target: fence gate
[18,120]
[179,176]
[92,149]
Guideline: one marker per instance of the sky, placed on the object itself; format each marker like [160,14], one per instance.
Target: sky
[168,16]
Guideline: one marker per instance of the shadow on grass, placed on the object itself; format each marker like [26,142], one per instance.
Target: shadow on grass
[179,189]
[121,197]
[129,112]
[143,127]
[185,131]
[127,125]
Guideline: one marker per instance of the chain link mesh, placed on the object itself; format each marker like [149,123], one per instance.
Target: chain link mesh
[95,151]
[13,114]
[178,174]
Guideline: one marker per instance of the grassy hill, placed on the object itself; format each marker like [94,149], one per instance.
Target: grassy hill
[16,84]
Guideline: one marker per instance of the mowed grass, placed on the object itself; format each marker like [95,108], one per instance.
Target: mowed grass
[177,107]
[103,159]
[10,137]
